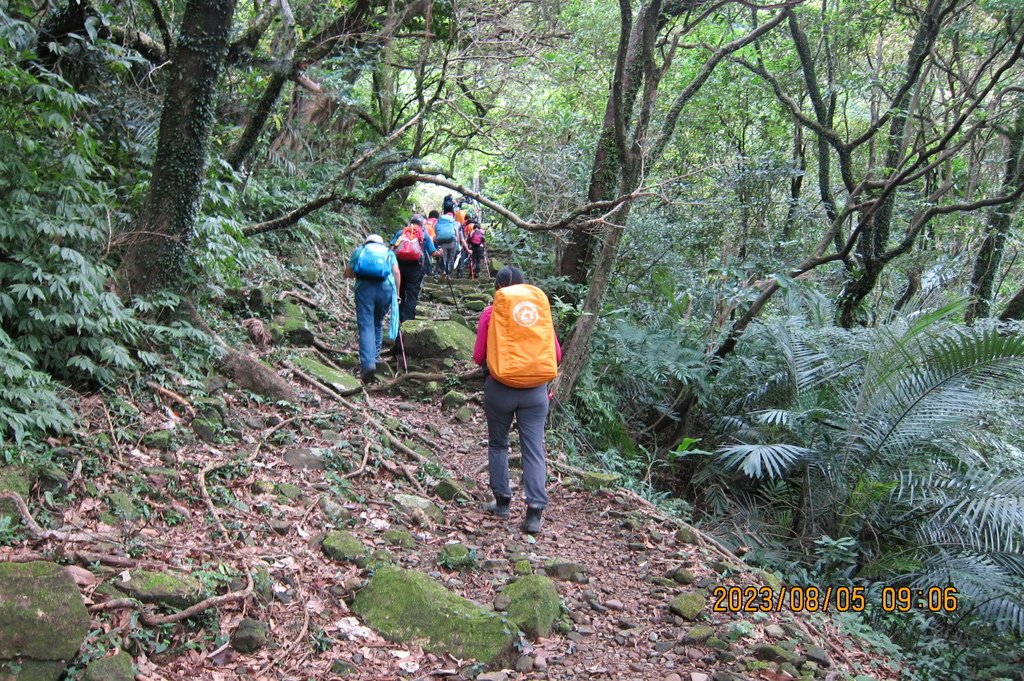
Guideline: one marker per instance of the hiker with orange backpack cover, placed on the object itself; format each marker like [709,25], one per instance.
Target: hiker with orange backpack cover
[519,351]
[413,246]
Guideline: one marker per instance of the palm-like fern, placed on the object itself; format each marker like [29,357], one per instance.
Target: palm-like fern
[892,434]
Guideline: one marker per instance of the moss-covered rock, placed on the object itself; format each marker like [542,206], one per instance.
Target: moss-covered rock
[43,620]
[408,606]
[465,414]
[426,338]
[160,587]
[457,557]
[249,636]
[399,538]
[206,429]
[414,506]
[534,605]
[772,653]
[306,458]
[113,668]
[593,480]
[288,491]
[451,490]
[343,546]
[290,326]
[14,479]
[122,505]
[327,375]
[683,576]
[159,439]
[560,568]
[453,399]
[689,605]
[698,634]
[686,535]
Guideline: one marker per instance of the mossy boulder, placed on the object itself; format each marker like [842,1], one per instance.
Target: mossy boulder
[689,605]
[122,505]
[116,667]
[206,429]
[14,479]
[343,546]
[475,305]
[409,607]
[687,535]
[43,620]
[451,490]
[175,591]
[494,265]
[159,439]
[328,376]
[400,538]
[560,568]
[534,605]
[290,326]
[426,338]
[698,634]
[415,506]
[593,480]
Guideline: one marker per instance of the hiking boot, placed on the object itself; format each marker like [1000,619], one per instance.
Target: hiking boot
[499,507]
[531,523]
[368,376]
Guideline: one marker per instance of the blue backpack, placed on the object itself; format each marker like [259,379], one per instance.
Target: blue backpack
[372,261]
[445,228]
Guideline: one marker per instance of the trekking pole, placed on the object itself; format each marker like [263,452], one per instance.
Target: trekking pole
[451,290]
[401,344]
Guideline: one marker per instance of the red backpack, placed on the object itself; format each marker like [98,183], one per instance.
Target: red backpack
[409,245]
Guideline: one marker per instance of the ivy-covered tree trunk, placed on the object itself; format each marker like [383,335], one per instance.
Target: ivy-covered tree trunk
[986,265]
[157,255]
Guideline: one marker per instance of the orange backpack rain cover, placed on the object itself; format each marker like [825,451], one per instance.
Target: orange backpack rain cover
[521,338]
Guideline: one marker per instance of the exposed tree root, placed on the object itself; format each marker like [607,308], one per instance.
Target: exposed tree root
[171,395]
[38,532]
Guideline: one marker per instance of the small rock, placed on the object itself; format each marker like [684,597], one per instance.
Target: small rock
[614,604]
[593,480]
[685,535]
[819,656]
[307,458]
[493,676]
[774,631]
[114,668]
[540,663]
[344,547]
[698,634]
[335,513]
[524,664]
[249,636]
[684,576]
[453,399]
[688,605]
[416,506]
[699,676]
[280,525]
[563,569]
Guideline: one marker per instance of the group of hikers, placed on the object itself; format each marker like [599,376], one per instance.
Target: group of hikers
[516,345]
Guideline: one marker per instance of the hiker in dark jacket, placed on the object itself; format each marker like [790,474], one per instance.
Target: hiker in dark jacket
[412,270]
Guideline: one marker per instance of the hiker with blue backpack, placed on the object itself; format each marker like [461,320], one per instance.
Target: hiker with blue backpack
[449,240]
[375,269]
[413,247]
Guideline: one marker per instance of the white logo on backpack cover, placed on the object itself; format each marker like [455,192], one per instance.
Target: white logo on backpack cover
[525,313]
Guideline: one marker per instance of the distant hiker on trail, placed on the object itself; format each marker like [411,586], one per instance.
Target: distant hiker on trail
[375,269]
[476,242]
[413,246]
[429,228]
[519,351]
[449,240]
[448,204]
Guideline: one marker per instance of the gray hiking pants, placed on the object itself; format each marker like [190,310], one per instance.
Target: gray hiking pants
[529,406]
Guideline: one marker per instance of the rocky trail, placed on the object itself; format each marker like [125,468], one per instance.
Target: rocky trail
[222,536]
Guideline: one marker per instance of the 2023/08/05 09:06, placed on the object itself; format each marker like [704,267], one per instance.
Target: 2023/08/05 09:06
[840,598]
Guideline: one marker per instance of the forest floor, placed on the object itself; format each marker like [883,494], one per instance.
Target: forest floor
[242,506]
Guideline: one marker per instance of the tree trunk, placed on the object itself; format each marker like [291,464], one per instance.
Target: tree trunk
[990,255]
[157,256]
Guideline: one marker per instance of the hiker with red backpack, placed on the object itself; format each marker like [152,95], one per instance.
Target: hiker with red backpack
[517,347]
[413,246]
[476,242]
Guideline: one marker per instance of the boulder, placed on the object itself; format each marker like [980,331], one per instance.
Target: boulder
[424,338]
[160,587]
[343,546]
[328,376]
[116,667]
[43,620]
[534,605]
[290,325]
[686,535]
[415,506]
[410,607]
[688,606]
[698,634]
